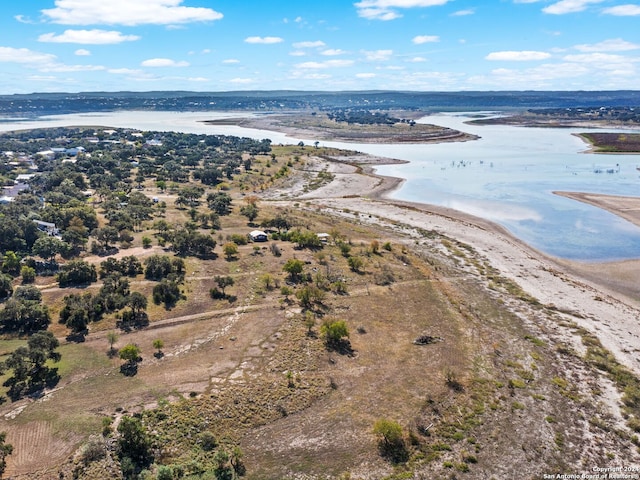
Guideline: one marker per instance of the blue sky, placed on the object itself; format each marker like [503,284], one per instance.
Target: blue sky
[227,45]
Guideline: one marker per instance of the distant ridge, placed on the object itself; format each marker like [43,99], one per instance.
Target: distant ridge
[36,104]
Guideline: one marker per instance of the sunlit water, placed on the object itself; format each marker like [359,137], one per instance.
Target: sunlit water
[507,176]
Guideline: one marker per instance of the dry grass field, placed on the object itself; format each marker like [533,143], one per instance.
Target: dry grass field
[509,387]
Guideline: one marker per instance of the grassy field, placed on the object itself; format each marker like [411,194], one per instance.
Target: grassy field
[499,393]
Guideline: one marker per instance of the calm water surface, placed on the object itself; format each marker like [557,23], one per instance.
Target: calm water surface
[507,176]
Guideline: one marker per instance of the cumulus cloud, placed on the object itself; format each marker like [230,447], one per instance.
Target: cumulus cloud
[463,13]
[627,10]
[378,55]
[420,39]
[163,62]
[82,52]
[387,9]
[569,6]
[518,56]
[612,45]
[326,64]
[231,61]
[316,44]
[417,60]
[127,12]
[330,52]
[264,40]
[366,75]
[88,37]
[25,56]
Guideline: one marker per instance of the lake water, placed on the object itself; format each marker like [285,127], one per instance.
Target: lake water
[507,176]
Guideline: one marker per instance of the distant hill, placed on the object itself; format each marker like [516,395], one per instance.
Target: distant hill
[37,104]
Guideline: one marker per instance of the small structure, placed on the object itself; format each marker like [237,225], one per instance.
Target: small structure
[46,227]
[258,236]
[324,237]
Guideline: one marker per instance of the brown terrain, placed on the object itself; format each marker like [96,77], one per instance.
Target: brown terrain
[532,370]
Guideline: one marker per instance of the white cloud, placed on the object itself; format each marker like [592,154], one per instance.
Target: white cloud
[82,52]
[197,79]
[378,55]
[386,9]
[518,56]
[298,53]
[316,44]
[599,60]
[72,68]
[88,37]
[612,45]
[326,64]
[127,12]
[332,52]
[366,75]
[417,60]
[463,13]
[569,6]
[241,81]
[420,39]
[231,61]
[627,10]
[25,56]
[163,62]
[263,40]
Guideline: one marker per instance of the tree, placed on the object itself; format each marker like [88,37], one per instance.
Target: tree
[334,332]
[294,268]
[131,354]
[219,202]
[28,292]
[112,337]
[138,303]
[134,446]
[224,282]
[28,274]
[250,211]
[48,247]
[167,292]
[76,313]
[6,449]
[77,272]
[230,250]
[29,365]
[106,235]
[24,317]
[6,286]
[391,440]
[158,344]
[11,263]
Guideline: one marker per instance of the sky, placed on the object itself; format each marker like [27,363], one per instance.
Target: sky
[231,45]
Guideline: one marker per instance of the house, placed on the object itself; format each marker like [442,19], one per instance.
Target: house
[258,236]
[324,237]
[46,227]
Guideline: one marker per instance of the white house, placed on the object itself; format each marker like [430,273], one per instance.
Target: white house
[258,236]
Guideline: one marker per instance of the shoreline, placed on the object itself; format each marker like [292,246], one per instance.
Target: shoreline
[602,297]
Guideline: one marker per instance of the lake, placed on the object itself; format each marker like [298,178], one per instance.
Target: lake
[507,176]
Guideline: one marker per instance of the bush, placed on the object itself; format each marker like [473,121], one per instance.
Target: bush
[167,292]
[239,239]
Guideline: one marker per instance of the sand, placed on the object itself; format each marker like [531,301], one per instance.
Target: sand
[603,298]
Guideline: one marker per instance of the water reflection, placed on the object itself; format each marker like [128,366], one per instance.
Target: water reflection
[506,176]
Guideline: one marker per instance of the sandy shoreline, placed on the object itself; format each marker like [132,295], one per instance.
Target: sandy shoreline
[602,298]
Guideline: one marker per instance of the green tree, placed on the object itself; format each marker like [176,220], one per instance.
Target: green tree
[112,338]
[6,449]
[230,250]
[28,274]
[6,286]
[11,263]
[334,332]
[224,282]
[355,263]
[134,446]
[24,317]
[250,211]
[77,272]
[294,268]
[29,365]
[48,247]
[158,344]
[391,440]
